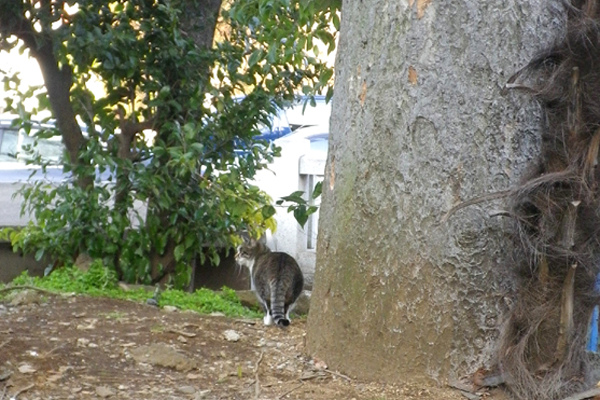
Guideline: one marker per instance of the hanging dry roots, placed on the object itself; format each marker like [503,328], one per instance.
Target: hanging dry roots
[557,219]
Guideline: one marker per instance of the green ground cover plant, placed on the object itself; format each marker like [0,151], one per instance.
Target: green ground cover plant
[101,281]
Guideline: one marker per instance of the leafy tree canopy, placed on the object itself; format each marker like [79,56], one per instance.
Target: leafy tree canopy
[161,73]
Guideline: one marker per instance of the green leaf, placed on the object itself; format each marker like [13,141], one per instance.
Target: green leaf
[179,252]
[336,21]
[215,258]
[255,57]
[318,189]
[197,147]
[39,254]
[268,211]
[301,215]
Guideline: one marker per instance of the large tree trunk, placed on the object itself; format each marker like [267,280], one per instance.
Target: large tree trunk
[420,124]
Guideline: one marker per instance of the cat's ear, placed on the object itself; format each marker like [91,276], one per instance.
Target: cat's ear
[245,237]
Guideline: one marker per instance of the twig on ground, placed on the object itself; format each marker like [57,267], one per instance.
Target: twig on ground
[3,393]
[46,354]
[4,343]
[245,321]
[311,376]
[470,395]
[28,287]
[584,395]
[18,392]
[459,386]
[290,391]
[257,382]
[328,371]
[182,333]
[337,374]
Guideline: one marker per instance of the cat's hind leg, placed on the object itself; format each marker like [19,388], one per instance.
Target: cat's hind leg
[290,308]
[268,319]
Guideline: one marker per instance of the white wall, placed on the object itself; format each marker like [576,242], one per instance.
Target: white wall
[297,169]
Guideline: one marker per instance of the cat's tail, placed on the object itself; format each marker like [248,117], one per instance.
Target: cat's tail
[278,304]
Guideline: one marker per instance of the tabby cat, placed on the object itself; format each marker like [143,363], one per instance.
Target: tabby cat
[275,277]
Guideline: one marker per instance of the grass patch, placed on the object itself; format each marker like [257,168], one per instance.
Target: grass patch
[116,315]
[100,281]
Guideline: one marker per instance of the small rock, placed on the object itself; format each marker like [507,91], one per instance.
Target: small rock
[202,394]
[319,364]
[194,376]
[76,389]
[170,308]
[187,390]
[152,301]
[223,376]
[54,378]
[25,298]
[92,345]
[104,391]
[90,326]
[231,335]
[5,373]
[162,355]
[216,314]
[83,342]
[26,369]
[182,339]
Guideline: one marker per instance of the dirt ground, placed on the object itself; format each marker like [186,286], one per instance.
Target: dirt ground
[92,348]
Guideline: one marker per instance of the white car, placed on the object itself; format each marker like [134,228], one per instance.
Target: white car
[318,136]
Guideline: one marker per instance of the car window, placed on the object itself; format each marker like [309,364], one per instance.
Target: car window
[299,116]
[279,127]
[14,142]
[8,144]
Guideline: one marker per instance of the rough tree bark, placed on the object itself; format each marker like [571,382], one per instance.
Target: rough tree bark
[420,123]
